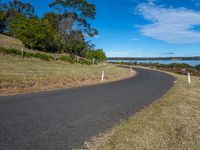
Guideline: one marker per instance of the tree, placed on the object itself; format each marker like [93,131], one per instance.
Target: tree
[2,17]
[53,19]
[17,7]
[35,33]
[73,20]
[98,55]
[11,9]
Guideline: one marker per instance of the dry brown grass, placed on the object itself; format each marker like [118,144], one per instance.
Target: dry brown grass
[171,123]
[9,42]
[32,75]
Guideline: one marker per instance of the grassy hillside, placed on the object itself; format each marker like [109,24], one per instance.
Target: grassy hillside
[10,42]
[173,122]
[32,75]
[29,75]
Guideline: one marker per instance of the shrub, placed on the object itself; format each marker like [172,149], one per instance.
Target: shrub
[85,62]
[197,67]
[10,51]
[43,56]
[67,59]
[98,55]
[27,54]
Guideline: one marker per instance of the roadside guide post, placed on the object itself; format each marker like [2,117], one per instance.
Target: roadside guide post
[22,51]
[102,76]
[189,78]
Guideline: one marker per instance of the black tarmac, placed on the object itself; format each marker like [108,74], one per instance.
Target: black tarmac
[64,119]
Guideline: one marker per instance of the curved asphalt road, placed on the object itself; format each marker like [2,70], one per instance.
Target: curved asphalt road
[64,119]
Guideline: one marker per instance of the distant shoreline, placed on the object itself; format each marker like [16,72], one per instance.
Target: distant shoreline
[154,58]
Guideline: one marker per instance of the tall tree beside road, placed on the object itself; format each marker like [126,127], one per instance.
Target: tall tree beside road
[53,19]
[35,33]
[74,16]
[18,7]
[2,16]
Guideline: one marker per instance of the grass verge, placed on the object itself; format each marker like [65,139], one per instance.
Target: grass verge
[172,122]
[31,75]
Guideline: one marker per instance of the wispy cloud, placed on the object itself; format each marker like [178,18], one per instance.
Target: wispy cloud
[135,39]
[173,25]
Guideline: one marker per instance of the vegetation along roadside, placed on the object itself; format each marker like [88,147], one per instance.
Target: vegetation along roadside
[19,76]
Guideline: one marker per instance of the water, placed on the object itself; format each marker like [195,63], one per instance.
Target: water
[190,62]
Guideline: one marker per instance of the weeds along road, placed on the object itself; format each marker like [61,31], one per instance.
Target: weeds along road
[64,119]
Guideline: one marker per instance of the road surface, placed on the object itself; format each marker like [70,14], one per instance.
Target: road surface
[64,119]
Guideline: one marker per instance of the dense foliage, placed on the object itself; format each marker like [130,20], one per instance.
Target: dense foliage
[34,33]
[63,30]
[98,55]
[198,67]
[2,17]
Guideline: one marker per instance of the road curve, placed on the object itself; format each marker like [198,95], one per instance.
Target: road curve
[64,119]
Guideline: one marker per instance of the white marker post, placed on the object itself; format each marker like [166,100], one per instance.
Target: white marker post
[131,68]
[102,76]
[189,78]
[22,51]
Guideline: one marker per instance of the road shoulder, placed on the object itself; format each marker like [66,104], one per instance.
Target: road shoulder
[171,122]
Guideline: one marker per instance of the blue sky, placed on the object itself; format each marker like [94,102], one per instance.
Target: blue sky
[144,28]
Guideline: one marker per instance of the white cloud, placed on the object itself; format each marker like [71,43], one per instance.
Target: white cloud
[173,25]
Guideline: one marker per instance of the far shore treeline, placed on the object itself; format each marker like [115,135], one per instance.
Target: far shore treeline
[154,58]
[64,30]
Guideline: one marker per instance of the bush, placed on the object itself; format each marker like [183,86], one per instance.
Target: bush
[85,62]
[10,51]
[27,54]
[98,55]
[67,59]
[42,56]
[177,65]
[197,67]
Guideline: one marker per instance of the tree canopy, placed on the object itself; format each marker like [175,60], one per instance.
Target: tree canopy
[64,29]
[98,55]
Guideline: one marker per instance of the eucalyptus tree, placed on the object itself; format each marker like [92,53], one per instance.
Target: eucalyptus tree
[18,7]
[12,8]
[53,19]
[2,16]
[74,16]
